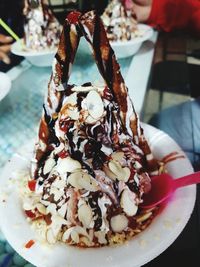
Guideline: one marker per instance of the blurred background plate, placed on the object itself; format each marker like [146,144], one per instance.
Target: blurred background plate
[126,48]
[41,58]
[130,48]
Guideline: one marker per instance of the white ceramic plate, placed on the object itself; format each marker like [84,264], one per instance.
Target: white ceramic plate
[130,48]
[41,58]
[5,85]
[164,229]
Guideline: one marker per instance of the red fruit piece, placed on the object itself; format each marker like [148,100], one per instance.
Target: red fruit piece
[73,17]
[32,185]
[30,243]
[30,214]
[63,154]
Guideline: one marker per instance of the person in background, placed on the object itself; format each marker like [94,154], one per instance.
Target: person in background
[168,15]
[5,48]
[181,121]
[10,13]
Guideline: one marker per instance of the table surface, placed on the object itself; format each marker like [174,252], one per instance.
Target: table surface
[21,109]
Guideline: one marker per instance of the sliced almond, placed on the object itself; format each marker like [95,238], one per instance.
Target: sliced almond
[57,193]
[51,208]
[117,156]
[50,237]
[73,114]
[115,167]
[88,183]
[127,202]
[90,120]
[67,234]
[122,174]
[125,174]
[119,223]
[94,104]
[41,208]
[101,236]
[109,173]
[85,215]
[78,229]
[63,210]
[83,88]
[75,237]
[74,178]
[68,165]
[48,166]
[81,180]
[72,99]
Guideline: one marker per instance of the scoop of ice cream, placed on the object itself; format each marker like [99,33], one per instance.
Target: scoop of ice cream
[120,23]
[91,163]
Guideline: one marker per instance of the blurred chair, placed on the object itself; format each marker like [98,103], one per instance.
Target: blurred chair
[61,7]
[171,73]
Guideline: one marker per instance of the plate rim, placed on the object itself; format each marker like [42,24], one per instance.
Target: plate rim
[15,49]
[155,252]
[136,40]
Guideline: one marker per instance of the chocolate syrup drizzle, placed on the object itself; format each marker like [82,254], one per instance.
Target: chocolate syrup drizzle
[91,28]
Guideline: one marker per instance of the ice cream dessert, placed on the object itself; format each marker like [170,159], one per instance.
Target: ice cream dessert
[92,163]
[41,28]
[120,23]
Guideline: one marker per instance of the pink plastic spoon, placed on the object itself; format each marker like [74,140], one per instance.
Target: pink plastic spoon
[164,185]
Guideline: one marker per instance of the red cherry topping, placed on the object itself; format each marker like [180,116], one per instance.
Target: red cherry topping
[30,214]
[32,185]
[73,17]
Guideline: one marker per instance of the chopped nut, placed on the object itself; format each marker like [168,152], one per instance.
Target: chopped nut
[109,173]
[88,183]
[90,120]
[94,104]
[68,165]
[117,156]
[144,217]
[48,166]
[50,237]
[78,229]
[85,215]
[128,202]
[119,223]
[122,174]
[73,114]
[75,237]
[81,180]
[51,208]
[63,210]
[101,237]
[41,208]
[74,178]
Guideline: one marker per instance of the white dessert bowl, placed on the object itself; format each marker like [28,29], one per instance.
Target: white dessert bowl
[129,48]
[40,58]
